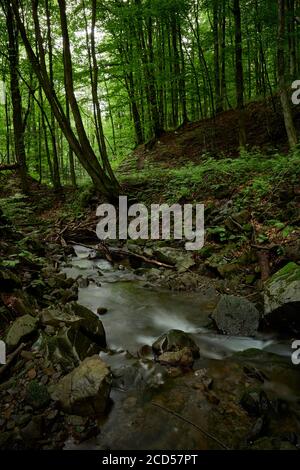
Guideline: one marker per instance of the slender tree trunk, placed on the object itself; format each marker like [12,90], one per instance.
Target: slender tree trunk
[16,99]
[80,145]
[216,13]
[182,84]
[95,79]
[56,175]
[239,72]
[7,121]
[285,100]
[223,60]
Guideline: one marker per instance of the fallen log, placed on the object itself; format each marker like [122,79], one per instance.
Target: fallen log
[110,253]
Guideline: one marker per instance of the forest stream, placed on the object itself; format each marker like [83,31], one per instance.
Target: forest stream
[143,392]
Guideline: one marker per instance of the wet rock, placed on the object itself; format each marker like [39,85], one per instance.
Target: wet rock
[228,270]
[78,333]
[20,303]
[83,282]
[183,358]
[239,221]
[68,347]
[183,260]
[20,330]
[37,395]
[65,295]
[78,318]
[236,316]
[85,391]
[282,300]
[272,443]
[145,351]
[255,402]
[102,311]
[174,341]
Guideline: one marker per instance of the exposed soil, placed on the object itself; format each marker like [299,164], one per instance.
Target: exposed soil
[219,136]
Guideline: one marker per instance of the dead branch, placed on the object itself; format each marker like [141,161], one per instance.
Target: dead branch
[207,434]
[113,252]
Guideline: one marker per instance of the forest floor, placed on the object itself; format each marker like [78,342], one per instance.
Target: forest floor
[218,137]
[252,203]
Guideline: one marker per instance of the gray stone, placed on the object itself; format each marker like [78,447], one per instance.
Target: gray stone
[282,299]
[174,341]
[77,318]
[85,391]
[236,316]
[21,329]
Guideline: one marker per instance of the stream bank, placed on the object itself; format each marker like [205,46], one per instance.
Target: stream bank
[241,392]
[63,305]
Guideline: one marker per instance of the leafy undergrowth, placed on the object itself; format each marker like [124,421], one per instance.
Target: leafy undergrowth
[251,180]
[250,200]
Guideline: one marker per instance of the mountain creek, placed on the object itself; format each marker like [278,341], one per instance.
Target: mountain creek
[138,347]
[153,407]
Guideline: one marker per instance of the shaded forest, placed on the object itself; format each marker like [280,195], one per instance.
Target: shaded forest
[138,343]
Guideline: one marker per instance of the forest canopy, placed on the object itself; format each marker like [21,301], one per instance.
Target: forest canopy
[85,82]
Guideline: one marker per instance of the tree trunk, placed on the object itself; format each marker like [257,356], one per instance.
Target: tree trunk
[16,99]
[56,175]
[81,145]
[285,100]
[216,14]
[239,72]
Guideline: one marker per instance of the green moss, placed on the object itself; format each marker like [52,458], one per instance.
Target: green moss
[291,272]
[37,395]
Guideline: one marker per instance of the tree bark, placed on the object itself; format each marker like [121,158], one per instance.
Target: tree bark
[239,72]
[56,175]
[284,97]
[16,99]
[80,145]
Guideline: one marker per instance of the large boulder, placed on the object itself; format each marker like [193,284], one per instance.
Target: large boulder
[282,300]
[77,317]
[85,391]
[175,341]
[21,329]
[236,316]
[72,333]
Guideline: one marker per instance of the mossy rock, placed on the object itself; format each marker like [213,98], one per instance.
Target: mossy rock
[282,300]
[37,395]
[21,329]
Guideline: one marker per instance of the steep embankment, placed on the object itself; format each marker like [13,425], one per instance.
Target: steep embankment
[218,137]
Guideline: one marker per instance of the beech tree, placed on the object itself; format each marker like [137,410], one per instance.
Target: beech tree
[85,82]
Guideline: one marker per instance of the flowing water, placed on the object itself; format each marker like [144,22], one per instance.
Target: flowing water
[139,313]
